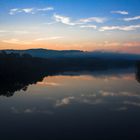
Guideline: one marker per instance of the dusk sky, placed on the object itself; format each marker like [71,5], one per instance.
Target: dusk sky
[110,25]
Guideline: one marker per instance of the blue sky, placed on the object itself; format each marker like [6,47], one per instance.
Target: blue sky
[112,25]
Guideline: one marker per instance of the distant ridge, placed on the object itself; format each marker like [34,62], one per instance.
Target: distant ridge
[46,53]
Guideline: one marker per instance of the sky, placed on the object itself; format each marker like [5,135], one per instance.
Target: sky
[89,25]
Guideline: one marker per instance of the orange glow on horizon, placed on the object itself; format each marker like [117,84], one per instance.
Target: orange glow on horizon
[128,47]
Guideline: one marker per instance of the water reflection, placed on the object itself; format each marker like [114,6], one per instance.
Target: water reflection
[71,105]
[116,87]
[9,84]
[138,72]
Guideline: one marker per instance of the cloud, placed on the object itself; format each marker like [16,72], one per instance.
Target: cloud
[120,12]
[121,28]
[16,41]
[84,99]
[30,110]
[46,9]
[93,19]
[14,11]
[45,83]
[110,44]
[64,101]
[113,46]
[89,26]
[18,10]
[131,44]
[92,102]
[67,20]
[118,94]
[49,23]
[49,38]
[132,18]
[63,19]
[132,103]
[29,10]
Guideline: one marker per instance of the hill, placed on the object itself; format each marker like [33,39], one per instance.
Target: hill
[45,53]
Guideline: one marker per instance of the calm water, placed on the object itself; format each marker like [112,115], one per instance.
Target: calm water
[84,105]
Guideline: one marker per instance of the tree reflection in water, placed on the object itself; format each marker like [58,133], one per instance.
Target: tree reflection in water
[138,72]
[9,84]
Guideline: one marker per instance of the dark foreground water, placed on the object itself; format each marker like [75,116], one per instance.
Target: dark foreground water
[101,105]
